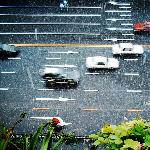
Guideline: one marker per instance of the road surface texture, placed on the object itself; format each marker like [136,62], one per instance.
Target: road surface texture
[101,96]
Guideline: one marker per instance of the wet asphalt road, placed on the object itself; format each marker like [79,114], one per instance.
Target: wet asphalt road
[109,93]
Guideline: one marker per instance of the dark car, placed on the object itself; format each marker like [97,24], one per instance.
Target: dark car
[60,76]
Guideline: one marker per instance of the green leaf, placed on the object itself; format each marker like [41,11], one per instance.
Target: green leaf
[115,139]
[25,142]
[129,143]
[58,143]
[47,138]
[94,136]
[34,140]
[147,141]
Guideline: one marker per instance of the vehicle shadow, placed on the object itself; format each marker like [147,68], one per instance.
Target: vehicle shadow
[5,55]
[59,86]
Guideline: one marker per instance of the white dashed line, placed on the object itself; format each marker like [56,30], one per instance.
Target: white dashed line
[4,89]
[125,15]
[122,29]
[118,11]
[134,91]
[124,7]
[55,99]
[127,34]
[11,72]
[45,89]
[115,19]
[115,39]
[90,90]
[61,66]
[127,24]
[131,59]
[88,73]
[16,58]
[131,74]
[52,58]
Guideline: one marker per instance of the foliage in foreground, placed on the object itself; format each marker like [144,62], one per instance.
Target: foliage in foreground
[47,136]
[129,135]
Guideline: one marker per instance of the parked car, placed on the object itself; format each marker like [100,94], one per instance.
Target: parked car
[142,26]
[60,76]
[7,48]
[98,62]
[127,48]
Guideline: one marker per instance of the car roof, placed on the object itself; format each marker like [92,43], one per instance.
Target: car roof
[126,45]
[99,59]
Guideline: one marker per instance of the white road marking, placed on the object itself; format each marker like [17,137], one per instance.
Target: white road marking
[4,89]
[88,73]
[125,15]
[127,34]
[36,34]
[115,39]
[47,33]
[15,58]
[118,11]
[11,72]
[126,7]
[131,74]
[116,3]
[49,23]
[122,29]
[127,24]
[134,91]
[115,19]
[54,15]
[61,66]
[62,99]
[45,89]
[52,58]
[131,59]
[30,78]
[144,59]
[90,90]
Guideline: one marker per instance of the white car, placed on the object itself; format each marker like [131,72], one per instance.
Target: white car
[98,62]
[127,48]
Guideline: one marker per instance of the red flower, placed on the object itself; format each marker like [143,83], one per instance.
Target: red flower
[55,120]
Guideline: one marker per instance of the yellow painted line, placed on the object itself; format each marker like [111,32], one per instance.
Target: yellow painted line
[135,110]
[40,108]
[61,45]
[66,45]
[90,109]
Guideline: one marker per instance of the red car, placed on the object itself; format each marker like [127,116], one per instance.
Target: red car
[142,26]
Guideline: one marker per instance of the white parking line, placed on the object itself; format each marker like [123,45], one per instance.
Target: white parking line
[90,90]
[4,89]
[131,74]
[52,58]
[88,73]
[134,91]
[118,11]
[30,78]
[45,89]
[11,72]
[15,58]
[61,66]
[144,59]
